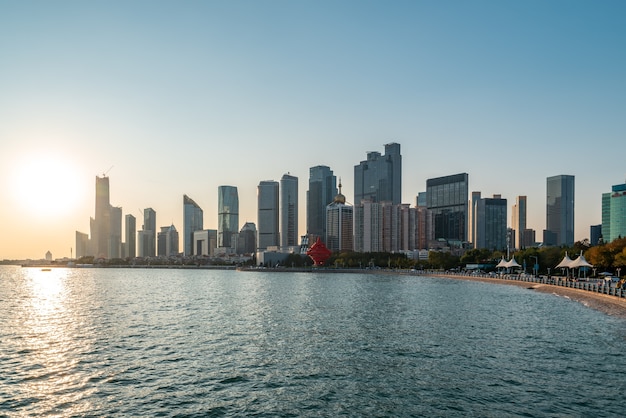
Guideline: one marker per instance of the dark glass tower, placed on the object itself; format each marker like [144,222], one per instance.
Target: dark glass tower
[322,191]
[559,210]
[447,199]
[131,239]
[379,178]
[149,233]
[268,218]
[227,216]
[193,220]
[491,223]
[288,211]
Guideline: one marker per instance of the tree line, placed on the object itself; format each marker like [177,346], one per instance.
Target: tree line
[604,257]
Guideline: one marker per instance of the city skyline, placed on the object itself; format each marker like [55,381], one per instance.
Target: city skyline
[224,93]
[302,228]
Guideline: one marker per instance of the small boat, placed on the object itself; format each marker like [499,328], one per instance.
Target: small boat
[46,269]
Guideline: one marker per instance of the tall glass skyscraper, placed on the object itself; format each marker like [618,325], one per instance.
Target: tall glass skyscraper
[227,216]
[246,242]
[447,200]
[268,217]
[322,190]
[288,211]
[193,220]
[614,213]
[147,236]
[130,229]
[559,211]
[379,178]
[167,241]
[490,219]
[115,232]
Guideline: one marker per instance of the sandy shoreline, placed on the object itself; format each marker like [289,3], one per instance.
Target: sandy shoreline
[610,305]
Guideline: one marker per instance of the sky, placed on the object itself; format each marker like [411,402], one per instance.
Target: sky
[170,98]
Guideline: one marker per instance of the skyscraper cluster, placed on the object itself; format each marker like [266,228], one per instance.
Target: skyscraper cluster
[445,215]
[378,224]
[105,238]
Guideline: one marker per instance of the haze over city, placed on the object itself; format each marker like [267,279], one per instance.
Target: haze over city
[179,98]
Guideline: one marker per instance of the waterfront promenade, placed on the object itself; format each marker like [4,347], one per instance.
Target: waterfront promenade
[607,299]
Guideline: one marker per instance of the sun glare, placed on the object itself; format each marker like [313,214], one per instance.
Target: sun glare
[46,185]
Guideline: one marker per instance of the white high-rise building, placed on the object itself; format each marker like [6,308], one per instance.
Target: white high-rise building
[518,221]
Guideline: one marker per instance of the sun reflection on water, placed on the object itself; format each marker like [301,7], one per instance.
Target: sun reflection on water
[51,339]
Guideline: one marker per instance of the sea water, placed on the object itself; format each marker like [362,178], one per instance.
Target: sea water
[167,342]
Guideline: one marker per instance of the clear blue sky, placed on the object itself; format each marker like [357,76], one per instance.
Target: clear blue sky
[181,97]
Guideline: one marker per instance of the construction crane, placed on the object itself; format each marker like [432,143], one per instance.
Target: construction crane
[107,172]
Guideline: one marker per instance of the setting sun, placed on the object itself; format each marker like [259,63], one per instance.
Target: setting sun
[45,185]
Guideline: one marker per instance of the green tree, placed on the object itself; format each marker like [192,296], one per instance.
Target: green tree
[297,260]
[443,260]
[620,260]
[476,256]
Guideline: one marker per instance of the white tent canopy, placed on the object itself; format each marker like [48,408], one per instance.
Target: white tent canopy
[502,263]
[565,263]
[508,264]
[512,263]
[580,262]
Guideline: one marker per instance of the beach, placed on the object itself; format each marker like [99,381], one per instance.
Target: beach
[611,305]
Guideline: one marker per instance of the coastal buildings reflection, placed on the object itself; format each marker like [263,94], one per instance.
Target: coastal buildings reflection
[50,337]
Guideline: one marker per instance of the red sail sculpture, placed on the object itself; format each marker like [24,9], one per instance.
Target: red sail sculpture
[318,253]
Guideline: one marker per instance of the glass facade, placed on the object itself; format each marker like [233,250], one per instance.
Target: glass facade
[447,200]
[379,178]
[491,219]
[131,238]
[227,216]
[560,210]
[115,233]
[268,217]
[614,213]
[322,190]
[246,241]
[288,211]
[167,241]
[148,242]
[193,220]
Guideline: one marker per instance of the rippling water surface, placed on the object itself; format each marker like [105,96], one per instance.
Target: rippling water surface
[131,342]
